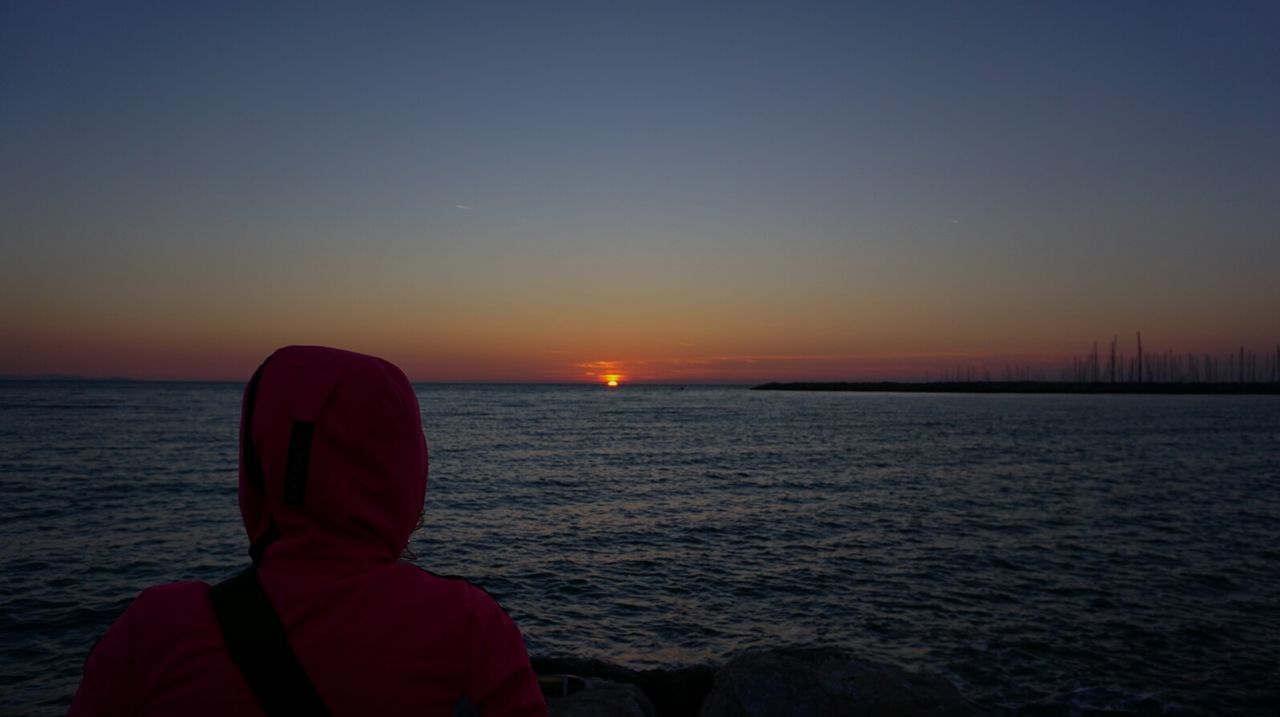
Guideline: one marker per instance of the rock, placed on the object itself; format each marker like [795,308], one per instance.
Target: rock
[761,683]
[602,698]
[674,692]
[818,683]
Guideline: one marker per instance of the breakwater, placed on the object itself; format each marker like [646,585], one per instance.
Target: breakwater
[1034,387]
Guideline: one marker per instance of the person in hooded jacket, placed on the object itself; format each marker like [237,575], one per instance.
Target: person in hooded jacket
[333,475]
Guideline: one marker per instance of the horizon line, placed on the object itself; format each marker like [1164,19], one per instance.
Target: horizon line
[73,378]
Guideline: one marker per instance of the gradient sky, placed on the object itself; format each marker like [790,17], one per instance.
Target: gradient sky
[686,191]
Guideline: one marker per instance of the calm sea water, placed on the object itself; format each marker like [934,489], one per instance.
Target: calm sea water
[1049,554]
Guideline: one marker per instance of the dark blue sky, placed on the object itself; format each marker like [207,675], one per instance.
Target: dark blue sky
[639,182]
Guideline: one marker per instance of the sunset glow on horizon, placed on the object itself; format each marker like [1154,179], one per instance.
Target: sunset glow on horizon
[649,194]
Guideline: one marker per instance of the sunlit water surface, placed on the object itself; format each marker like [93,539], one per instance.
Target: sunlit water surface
[1047,553]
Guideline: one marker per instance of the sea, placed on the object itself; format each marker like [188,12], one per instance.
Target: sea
[1050,555]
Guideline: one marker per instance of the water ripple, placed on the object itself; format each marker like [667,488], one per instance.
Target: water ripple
[1052,555]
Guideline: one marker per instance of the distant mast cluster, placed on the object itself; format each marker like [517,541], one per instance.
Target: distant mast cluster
[1243,366]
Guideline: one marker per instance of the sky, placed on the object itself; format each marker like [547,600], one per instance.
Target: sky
[678,192]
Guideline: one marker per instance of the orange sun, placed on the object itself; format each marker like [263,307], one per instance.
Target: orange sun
[611,380]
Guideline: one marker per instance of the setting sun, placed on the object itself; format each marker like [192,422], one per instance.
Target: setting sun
[611,380]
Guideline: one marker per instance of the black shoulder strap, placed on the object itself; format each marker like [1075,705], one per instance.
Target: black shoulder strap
[260,648]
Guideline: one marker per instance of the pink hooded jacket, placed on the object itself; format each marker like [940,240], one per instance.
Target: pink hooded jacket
[375,636]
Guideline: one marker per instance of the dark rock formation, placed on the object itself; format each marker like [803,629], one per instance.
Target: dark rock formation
[819,683]
[603,698]
[676,692]
[757,683]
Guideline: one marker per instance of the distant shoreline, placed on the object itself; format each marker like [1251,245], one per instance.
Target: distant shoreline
[1225,389]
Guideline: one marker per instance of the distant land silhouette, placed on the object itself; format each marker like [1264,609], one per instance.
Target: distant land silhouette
[53,377]
[1235,389]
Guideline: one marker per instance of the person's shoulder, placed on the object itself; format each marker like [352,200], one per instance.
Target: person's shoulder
[159,612]
[170,593]
[455,587]
[177,602]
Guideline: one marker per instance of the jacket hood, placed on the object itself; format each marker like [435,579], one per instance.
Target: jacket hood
[333,462]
